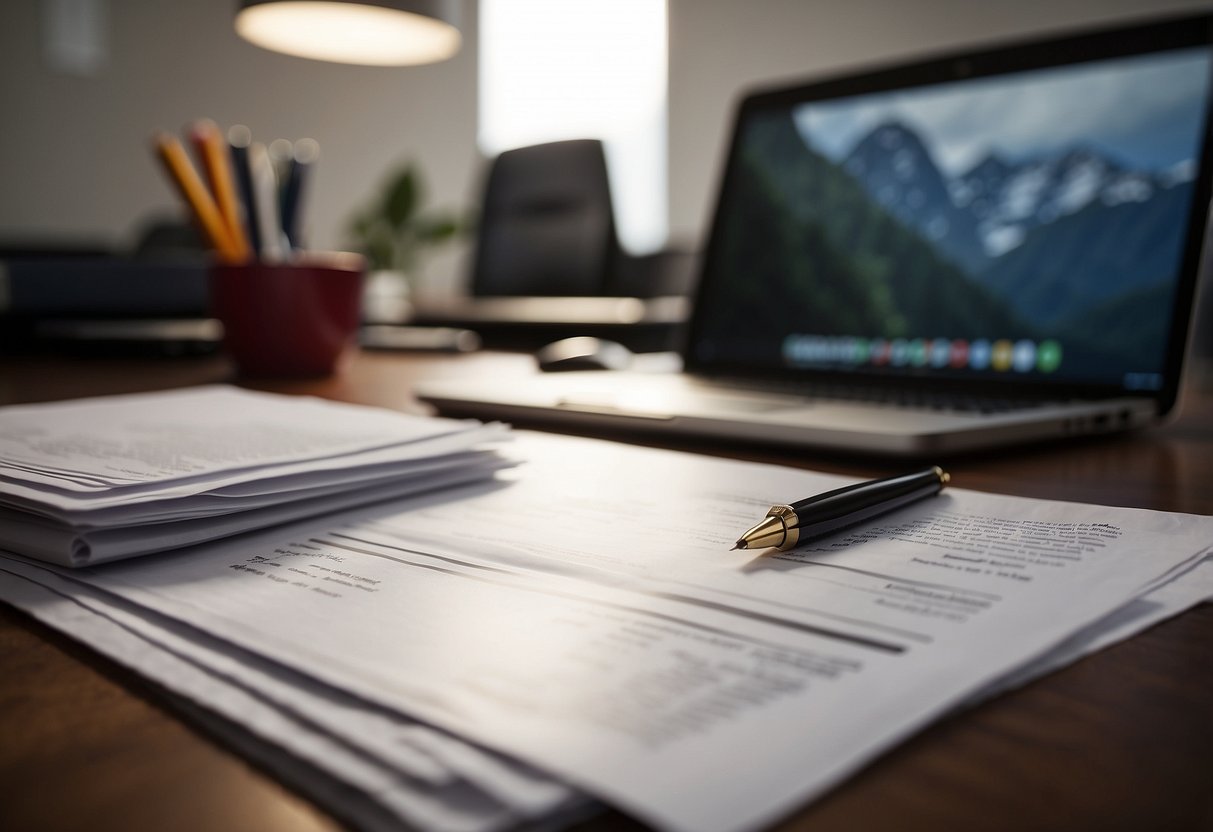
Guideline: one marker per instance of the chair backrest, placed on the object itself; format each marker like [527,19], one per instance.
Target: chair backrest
[546,226]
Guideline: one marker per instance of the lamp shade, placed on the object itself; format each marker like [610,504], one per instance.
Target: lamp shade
[381,33]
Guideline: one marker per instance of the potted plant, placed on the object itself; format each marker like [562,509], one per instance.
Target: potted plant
[394,232]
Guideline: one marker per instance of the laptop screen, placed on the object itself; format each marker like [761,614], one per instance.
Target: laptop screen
[1000,217]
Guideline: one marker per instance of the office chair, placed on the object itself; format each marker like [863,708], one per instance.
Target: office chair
[547,226]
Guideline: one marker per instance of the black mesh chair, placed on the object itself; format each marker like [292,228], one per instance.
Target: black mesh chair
[547,226]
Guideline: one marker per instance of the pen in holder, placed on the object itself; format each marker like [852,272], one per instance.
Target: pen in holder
[289,319]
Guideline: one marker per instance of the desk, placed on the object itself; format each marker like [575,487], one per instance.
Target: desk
[1121,740]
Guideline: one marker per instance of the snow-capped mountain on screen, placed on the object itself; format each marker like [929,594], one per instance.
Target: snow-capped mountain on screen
[989,209]
[895,167]
[1010,199]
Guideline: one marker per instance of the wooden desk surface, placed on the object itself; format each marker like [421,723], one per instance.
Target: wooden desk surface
[1121,740]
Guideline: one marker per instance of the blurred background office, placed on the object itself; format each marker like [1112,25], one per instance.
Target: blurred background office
[83,83]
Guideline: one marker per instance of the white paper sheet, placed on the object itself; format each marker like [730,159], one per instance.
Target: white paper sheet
[385,757]
[116,506]
[590,620]
[141,632]
[94,480]
[196,432]
[69,546]
[1183,592]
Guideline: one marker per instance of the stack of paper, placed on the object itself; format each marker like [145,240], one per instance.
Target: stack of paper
[119,476]
[505,655]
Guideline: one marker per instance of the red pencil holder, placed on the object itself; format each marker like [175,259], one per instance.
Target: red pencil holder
[289,319]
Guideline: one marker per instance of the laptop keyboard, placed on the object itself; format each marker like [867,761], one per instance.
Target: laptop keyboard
[914,399]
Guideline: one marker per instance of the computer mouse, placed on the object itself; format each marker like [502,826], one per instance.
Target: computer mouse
[583,353]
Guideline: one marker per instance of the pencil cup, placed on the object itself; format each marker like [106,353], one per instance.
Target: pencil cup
[289,319]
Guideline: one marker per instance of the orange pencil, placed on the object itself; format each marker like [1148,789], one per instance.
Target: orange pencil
[182,172]
[211,149]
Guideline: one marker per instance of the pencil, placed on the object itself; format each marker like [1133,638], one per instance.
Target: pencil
[199,200]
[210,147]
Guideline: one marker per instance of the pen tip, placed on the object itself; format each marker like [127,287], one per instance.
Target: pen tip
[740,544]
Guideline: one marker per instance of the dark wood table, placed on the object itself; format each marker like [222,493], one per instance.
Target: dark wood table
[1122,740]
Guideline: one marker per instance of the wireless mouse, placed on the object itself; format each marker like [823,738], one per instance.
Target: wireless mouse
[583,353]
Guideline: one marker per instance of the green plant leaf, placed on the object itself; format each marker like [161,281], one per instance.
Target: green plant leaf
[379,247]
[437,229]
[361,225]
[403,197]
[394,232]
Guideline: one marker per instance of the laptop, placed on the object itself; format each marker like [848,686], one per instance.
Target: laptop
[958,253]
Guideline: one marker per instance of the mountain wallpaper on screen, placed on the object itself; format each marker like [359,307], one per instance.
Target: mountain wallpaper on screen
[1053,236]
[1071,246]
[820,256]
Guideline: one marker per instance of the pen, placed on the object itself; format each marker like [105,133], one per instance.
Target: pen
[265,200]
[304,155]
[784,526]
[239,138]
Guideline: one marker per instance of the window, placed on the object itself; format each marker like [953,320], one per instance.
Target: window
[555,69]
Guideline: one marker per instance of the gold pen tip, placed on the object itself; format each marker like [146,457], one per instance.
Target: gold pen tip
[740,544]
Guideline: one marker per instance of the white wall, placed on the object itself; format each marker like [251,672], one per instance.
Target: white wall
[74,151]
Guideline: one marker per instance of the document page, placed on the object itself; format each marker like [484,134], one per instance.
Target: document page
[129,440]
[915,576]
[92,480]
[586,616]
[417,774]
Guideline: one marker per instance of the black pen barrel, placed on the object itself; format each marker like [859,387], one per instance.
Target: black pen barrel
[833,510]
